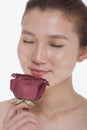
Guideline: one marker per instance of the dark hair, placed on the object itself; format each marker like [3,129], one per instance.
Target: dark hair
[75,10]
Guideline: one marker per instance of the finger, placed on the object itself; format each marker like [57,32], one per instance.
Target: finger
[22,118]
[26,121]
[14,109]
[27,126]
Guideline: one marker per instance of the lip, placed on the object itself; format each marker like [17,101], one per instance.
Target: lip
[37,72]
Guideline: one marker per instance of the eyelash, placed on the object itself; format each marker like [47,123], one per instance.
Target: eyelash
[56,46]
[52,45]
[25,41]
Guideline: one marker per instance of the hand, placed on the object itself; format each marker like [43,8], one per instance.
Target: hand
[19,117]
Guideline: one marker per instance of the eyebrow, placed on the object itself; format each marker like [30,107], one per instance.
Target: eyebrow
[58,36]
[27,32]
[55,36]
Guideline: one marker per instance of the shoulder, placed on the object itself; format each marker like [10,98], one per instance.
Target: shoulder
[81,112]
[84,104]
[77,117]
[84,108]
[4,107]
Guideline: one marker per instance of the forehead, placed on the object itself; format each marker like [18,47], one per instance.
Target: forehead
[48,22]
[37,16]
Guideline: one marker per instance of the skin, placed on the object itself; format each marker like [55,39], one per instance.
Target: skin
[50,51]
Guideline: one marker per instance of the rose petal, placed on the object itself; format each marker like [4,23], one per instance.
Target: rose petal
[27,87]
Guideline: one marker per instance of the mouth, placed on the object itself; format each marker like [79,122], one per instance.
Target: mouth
[38,73]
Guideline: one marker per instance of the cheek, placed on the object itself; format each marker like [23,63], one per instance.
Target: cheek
[23,53]
[63,59]
[56,57]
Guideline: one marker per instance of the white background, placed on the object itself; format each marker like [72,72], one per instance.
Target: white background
[11,12]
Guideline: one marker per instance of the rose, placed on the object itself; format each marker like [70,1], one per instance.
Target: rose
[27,87]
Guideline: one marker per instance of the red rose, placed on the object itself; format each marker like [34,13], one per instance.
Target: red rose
[27,87]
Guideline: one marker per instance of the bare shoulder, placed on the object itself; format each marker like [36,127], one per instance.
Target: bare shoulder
[4,107]
[81,115]
[84,107]
[84,104]
[76,118]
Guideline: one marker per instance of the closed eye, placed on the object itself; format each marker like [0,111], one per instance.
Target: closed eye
[56,46]
[25,41]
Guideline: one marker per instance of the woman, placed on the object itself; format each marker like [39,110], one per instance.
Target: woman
[53,39]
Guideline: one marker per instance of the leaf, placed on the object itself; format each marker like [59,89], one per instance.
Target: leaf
[16,102]
[29,102]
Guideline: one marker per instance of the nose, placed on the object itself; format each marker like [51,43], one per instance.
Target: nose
[39,55]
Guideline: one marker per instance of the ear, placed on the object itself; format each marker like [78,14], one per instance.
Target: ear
[83,54]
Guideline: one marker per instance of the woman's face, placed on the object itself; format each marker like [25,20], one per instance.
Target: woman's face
[48,46]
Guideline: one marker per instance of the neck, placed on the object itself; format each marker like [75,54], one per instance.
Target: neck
[58,98]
